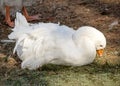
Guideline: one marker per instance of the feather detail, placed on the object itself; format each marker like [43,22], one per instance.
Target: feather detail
[43,43]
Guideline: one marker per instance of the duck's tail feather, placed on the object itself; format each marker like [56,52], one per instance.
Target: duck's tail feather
[21,27]
[20,20]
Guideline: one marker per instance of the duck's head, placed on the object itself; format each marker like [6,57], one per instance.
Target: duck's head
[100,46]
[95,36]
[100,43]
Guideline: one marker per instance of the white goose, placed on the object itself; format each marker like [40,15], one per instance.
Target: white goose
[43,43]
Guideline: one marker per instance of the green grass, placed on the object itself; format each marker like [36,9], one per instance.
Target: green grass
[53,75]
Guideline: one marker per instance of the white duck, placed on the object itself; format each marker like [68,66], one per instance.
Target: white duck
[14,6]
[44,43]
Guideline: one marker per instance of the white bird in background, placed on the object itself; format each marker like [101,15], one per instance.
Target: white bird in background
[43,43]
[10,7]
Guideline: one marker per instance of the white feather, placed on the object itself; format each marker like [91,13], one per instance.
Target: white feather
[43,43]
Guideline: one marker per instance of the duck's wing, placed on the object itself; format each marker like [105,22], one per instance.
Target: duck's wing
[37,43]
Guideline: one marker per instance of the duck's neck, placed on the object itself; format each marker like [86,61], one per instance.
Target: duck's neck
[86,48]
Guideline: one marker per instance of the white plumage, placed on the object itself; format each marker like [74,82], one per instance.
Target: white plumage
[43,43]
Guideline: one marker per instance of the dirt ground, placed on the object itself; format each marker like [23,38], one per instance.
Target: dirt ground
[101,14]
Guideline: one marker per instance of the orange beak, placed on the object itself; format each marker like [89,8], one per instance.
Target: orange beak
[100,52]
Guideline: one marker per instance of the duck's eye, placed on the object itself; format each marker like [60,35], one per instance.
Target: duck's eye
[101,45]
